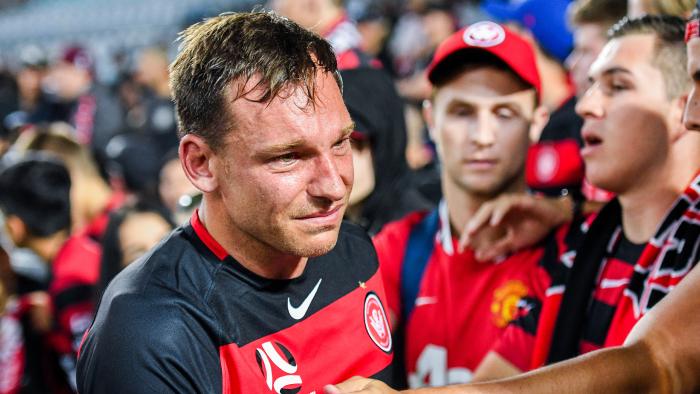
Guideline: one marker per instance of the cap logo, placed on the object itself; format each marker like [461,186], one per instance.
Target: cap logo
[484,34]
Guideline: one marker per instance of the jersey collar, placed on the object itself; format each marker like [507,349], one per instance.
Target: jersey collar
[206,238]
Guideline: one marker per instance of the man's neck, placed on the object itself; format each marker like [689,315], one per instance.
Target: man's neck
[463,204]
[257,257]
[645,206]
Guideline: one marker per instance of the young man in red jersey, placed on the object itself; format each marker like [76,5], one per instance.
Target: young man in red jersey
[483,110]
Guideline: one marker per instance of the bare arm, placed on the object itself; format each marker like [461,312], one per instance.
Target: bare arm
[494,366]
[661,354]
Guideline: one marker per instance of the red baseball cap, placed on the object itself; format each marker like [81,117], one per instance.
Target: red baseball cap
[489,36]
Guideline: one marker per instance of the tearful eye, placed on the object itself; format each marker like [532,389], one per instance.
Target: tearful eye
[286,159]
[343,144]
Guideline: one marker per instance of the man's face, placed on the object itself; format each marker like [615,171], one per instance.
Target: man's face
[626,114]
[691,117]
[589,40]
[285,172]
[481,123]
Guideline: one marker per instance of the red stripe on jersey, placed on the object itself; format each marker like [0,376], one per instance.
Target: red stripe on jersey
[545,329]
[329,346]
[204,235]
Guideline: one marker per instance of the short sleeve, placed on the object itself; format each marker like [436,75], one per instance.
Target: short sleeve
[137,345]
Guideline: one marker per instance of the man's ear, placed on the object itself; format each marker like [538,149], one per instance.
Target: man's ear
[198,162]
[539,119]
[16,230]
[675,115]
[429,117]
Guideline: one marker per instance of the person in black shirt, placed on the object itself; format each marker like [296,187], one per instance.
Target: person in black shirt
[264,290]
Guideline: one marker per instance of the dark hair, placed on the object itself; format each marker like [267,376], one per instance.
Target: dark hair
[603,12]
[37,190]
[134,158]
[669,50]
[238,47]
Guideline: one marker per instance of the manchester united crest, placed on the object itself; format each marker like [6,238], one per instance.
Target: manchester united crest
[504,306]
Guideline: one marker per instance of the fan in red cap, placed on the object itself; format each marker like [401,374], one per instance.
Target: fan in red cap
[494,38]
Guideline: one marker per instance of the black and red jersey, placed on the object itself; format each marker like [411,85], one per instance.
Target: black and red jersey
[604,284]
[188,317]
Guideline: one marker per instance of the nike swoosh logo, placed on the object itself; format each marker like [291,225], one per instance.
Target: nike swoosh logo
[299,312]
[420,301]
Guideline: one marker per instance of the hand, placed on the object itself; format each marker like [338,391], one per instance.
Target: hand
[359,385]
[521,220]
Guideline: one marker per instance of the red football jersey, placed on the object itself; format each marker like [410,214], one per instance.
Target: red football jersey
[462,305]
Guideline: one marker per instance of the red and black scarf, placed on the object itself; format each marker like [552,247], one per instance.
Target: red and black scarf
[670,254]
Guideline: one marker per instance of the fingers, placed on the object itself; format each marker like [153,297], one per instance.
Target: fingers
[490,214]
[481,219]
[500,247]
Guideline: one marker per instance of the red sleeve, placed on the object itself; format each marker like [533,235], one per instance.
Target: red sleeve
[75,272]
[390,244]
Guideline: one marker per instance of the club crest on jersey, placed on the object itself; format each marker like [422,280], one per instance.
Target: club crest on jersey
[278,367]
[376,322]
[505,302]
[484,34]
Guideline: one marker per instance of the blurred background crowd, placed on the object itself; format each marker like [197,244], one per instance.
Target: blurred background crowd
[86,82]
